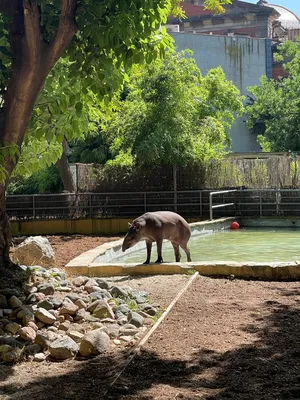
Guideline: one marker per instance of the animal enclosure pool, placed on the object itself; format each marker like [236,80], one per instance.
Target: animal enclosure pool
[264,248]
[241,245]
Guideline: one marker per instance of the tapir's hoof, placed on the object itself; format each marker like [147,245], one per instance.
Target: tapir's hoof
[159,261]
[146,262]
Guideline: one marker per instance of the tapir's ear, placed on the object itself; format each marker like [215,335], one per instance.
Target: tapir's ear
[137,226]
[129,225]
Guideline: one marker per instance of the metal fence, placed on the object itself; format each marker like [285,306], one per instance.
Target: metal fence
[192,203]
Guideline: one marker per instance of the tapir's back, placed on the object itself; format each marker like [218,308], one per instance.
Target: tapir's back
[165,225]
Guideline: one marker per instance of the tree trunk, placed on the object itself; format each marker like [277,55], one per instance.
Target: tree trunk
[65,171]
[33,58]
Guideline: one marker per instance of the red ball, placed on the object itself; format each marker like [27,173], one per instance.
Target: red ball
[234,225]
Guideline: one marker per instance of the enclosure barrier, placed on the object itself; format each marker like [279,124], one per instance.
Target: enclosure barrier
[190,204]
[211,207]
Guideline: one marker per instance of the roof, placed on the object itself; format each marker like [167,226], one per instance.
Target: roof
[288,18]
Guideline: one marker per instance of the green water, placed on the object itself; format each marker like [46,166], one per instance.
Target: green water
[242,245]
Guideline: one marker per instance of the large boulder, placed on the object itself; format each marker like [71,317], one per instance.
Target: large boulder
[35,250]
[93,343]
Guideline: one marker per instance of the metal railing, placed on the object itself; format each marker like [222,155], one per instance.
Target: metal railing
[212,207]
[189,203]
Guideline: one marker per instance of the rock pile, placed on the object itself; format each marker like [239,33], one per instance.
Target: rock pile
[62,318]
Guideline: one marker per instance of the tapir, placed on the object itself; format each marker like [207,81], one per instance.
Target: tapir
[156,226]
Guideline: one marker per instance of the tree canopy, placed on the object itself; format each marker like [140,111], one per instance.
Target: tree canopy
[275,109]
[173,115]
[98,39]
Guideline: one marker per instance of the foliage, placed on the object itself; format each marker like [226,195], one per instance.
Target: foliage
[275,112]
[173,115]
[112,36]
[92,149]
[44,181]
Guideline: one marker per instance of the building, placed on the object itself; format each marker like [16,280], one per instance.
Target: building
[243,59]
[242,41]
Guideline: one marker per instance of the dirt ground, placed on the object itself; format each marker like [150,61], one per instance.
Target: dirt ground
[224,339]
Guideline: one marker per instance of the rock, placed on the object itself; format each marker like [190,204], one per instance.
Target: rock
[4,348]
[35,250]
[3,301]
[119,292]
[33,349]
[102,283]
[93,343]
[35,298]
[78,328]
[1,313]
[64,326]
[103,310]
[128,330]
[73,297]
[90,285]
[12,327]
[63,289]
[39,357]
[26,314]
[46,304]
[123,308]
[113,330]
[42,340]
[80,304]
[80,281]
[8,292]
[45,316]
[117,342]
[12,356]
[126,339]
[56,272]
[76,336]
[46,288]
[149,309]
[68,307]
[135,319]
[32,325]
[63,348]
[14,302]
[7,311]
[56,302]
[27,333]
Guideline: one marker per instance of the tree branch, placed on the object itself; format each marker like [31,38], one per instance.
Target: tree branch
[66,30]
[32,33]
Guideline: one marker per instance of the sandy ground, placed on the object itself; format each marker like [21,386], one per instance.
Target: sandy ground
[224,339]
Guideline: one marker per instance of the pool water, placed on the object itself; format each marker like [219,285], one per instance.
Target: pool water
[242,245]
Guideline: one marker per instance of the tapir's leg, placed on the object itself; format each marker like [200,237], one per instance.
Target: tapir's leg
[159,247]
[187,251]
[176,251]
[149,247]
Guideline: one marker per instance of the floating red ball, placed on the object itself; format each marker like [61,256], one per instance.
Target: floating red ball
[234,225]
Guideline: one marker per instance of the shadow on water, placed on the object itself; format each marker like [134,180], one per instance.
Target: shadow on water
[266,369]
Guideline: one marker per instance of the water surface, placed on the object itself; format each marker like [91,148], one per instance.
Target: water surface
[242,245]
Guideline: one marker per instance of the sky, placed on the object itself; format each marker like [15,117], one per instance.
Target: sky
[293,5]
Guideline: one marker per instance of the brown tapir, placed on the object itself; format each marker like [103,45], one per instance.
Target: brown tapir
[156,226]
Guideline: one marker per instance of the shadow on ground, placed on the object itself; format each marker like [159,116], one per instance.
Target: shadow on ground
[267,369]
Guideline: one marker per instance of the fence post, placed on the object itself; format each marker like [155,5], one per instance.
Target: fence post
[260,204]
[278,198]
[145,202]
[210,207]
[90,204]
[200,200]
[175,187]
[33,206]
